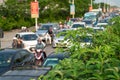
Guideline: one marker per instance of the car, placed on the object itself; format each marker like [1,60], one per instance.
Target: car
[42,30]
[102,24]
[54,57]
[84,40]
[29,39]
[88,22]
[11,58]
[25,73]
[96,29]
[77,25]
[59,39]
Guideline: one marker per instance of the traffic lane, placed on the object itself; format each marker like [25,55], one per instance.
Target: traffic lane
[49,49]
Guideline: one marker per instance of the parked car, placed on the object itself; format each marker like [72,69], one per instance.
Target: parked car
[53,58]
[29,39]
[11,58]
[42,30]
[25,73]
[59,39]
[77,25]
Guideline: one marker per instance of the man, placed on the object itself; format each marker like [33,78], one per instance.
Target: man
[49,35]
[40,44]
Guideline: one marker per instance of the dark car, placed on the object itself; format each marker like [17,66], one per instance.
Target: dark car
[54,58]
[25,73]
[11,58]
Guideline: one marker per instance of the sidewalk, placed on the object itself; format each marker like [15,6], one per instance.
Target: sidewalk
[6,42]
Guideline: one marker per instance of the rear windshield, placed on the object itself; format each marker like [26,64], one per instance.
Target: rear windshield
[29,37]
[45,27]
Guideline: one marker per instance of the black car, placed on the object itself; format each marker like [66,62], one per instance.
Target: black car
[11,58]
[25,73]
[54,58]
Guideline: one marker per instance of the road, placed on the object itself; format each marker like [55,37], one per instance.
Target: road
[7,41]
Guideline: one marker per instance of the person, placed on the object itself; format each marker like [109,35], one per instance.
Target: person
[20,43]
[14,43]
[40,44]
[49,34]
[38,58]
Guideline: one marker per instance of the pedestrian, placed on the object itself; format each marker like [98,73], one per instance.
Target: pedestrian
[14,43]
[20,43]
[61,25]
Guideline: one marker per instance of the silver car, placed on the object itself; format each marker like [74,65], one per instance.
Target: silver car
[45,27]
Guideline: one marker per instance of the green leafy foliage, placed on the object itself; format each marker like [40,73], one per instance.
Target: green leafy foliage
[97,62]
[49,11]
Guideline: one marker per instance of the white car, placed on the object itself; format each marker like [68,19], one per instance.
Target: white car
[59,39]
[29,39]
[102,25]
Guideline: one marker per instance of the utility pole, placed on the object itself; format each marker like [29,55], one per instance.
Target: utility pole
[73,4]
[72,8]
[36,21]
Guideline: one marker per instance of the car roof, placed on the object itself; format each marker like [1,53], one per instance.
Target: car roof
[102,23]
[9,51]
[25,74]
[23,33]
[79,23]
[59,55]
[49,23]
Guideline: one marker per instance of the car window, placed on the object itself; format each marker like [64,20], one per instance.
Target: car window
[24,54]
[17,58]
[29,37]
[44,27]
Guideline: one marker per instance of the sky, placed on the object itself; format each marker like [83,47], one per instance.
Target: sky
[111,2]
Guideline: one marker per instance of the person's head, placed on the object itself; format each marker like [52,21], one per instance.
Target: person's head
[39,40]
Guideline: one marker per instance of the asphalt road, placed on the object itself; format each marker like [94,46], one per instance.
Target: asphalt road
[6,42]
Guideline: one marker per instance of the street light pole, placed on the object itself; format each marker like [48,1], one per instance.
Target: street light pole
[36,21]
[73,4]
[91,3]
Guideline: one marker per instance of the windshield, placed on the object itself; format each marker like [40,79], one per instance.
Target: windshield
[5,59]
[77,25]
[92,17]
[88,21]
[29,37]
[44,27]
[51,62]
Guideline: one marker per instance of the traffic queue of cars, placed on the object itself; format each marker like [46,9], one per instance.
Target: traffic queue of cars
[20,62]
